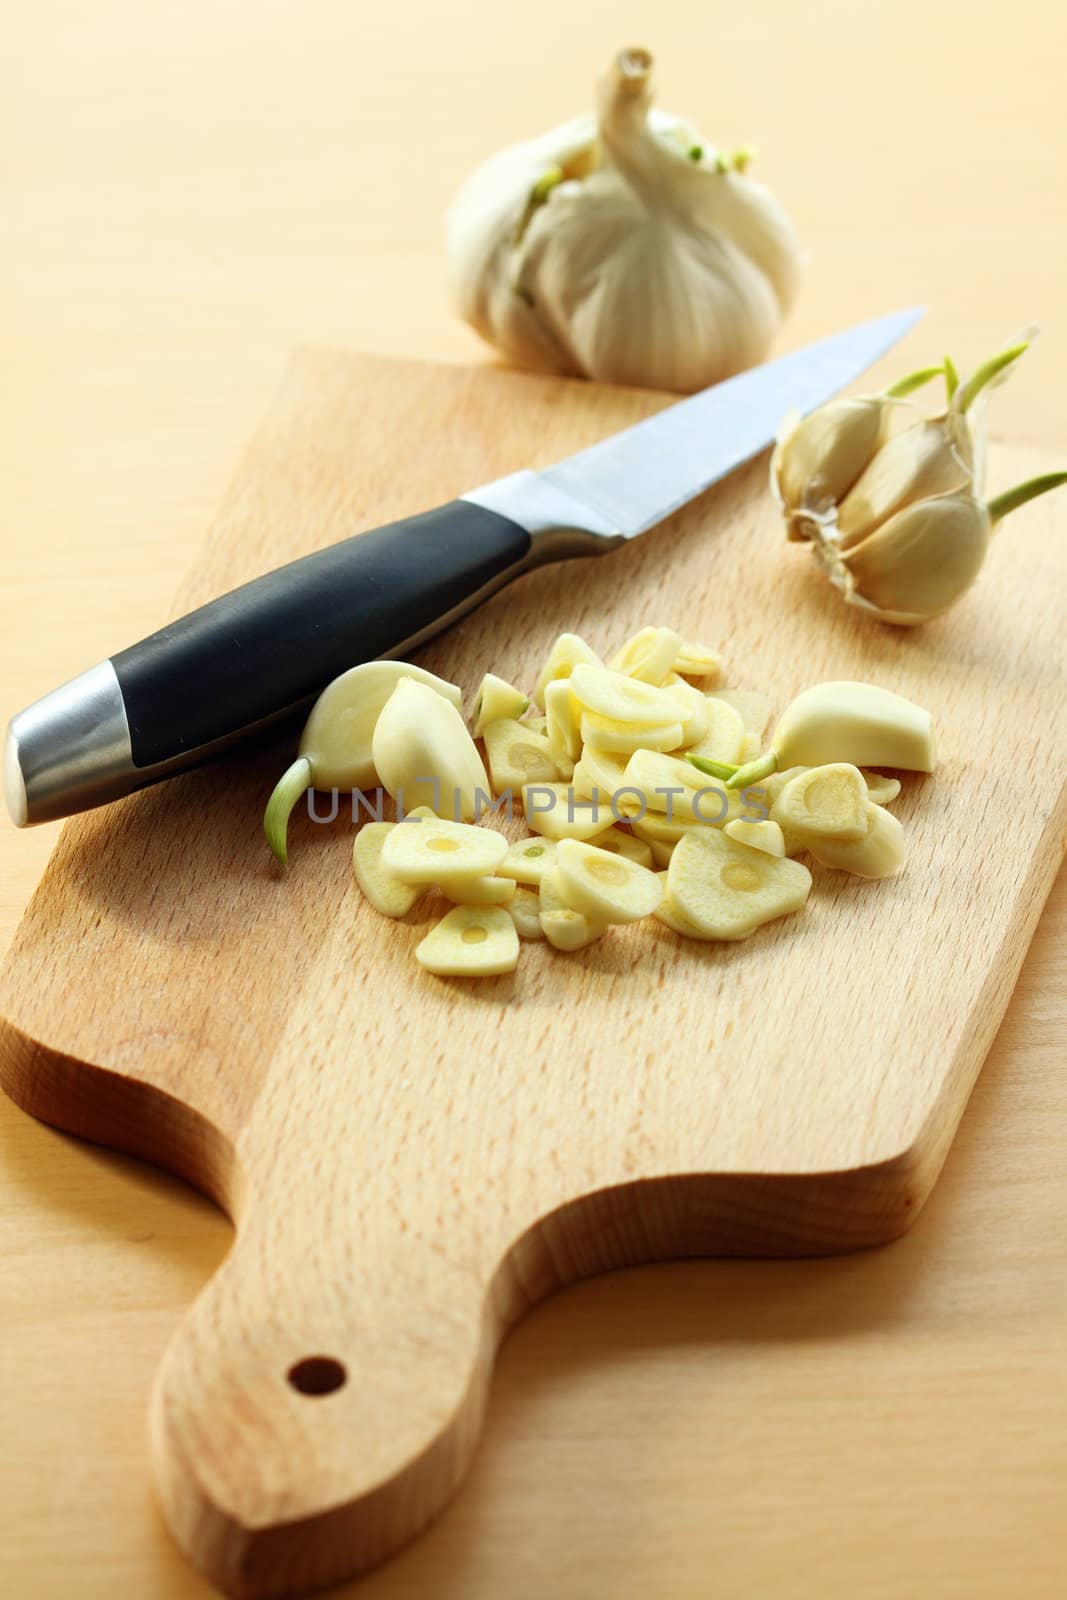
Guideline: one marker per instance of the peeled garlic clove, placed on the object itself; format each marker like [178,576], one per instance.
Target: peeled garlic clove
[496,698]
[846,721]
[650,655]
[524,909]
[623,738]
[556,811]
[826,802]
[424,755]
[569,930]
[881,852]
[603,886]
[727,890]
[625,844]
[569,651]
[482,891]
[517,755]
[528,861]
[432,848]
[766,836]
[621,699]
[386,892]
[563,715]
[880,789]
[336,744]
[920,561]
[724,735]
[471,942]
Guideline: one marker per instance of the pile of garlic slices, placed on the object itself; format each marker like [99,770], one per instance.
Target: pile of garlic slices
[633,777]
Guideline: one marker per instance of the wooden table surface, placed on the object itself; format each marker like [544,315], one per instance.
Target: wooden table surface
[187,192]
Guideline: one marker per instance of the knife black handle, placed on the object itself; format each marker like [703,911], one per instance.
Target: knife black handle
[280,639]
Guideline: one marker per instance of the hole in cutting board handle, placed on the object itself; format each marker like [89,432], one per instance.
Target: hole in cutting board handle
[317,1375]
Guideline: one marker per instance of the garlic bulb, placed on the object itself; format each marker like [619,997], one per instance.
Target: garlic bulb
[896,516]
[623,248]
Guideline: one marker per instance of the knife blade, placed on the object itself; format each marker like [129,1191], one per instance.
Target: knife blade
[210,678]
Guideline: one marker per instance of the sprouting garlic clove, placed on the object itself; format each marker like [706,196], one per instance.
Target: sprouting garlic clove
[471,942]
[919,562]
[818,459]
[859,723]
[933,457]
[424,755]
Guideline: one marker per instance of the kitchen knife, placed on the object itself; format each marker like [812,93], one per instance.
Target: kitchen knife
[254,654]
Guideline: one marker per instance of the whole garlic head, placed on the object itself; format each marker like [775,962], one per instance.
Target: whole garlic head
[890,497]
[623,248]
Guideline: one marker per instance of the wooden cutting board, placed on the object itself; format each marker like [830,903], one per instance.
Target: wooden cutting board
[412,1162]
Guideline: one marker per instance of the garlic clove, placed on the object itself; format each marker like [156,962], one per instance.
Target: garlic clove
[727,890]
[517,755]
[529,860]
[471,942]
[621,699]
[881,852]
[569,651]
[767,836]
[919,562]
[816,463]
[496,698]
[386,892]
[825,802]
[623,738]
[481,891]
[525,910]
[424,755]
[338,734]
[432,848]
[604,886]
[933,457]
[859,723]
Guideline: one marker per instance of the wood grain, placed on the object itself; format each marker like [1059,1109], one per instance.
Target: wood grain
[186,196]
[413,1163]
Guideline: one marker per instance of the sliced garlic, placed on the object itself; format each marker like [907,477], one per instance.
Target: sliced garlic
[880,789]
[624,844]
[517,755]
[557,811]
[603,886]
[669,913]
[471,942]
[551,891]
[562,714]
[528,861]
[496,698]
[696,712]
[569,651]
[622,699]
[672,787]
[623,738]
[525,911]
[430,849]
[386,892]
[424,755]
[728,890]
[697,661]
[569,930]
[754,708]
[649,655]
[483,891]
[881,853]
[828,802]
[599,772]
[766,836]
[724,735]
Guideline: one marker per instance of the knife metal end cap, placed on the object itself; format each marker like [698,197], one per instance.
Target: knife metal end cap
[69,751]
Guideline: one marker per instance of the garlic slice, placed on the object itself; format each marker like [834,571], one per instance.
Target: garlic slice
[471,942]
[668,912]
[603,886]
[649,655]
[621,843]
[517,755]
[766,836]
[828,802]
[728,890]
[674,788]
[496,698]
[525,911]
[622,699]
[529,860]
[570,650]
[432,848]
[562,713]
[386,892]
[724,735]
[881,853]
[753,708]
[569,930]
[424,755]
[599,772]
[696,711]
[697,661]
[880,789]
[556,811]
[483,891]
[623,738]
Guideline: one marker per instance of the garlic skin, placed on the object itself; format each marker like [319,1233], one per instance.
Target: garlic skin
[623,248]
[896,517]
